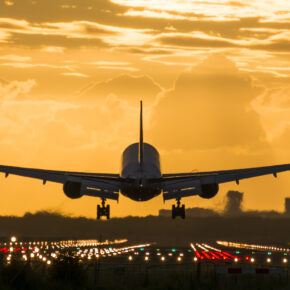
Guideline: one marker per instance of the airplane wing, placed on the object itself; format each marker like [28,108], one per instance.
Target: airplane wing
[101,185]
[188,184]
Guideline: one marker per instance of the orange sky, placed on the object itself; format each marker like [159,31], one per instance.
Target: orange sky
[214,77]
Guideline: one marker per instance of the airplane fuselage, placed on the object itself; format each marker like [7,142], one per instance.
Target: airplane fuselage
[141,189]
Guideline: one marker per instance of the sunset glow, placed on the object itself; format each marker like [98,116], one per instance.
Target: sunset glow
[214,77]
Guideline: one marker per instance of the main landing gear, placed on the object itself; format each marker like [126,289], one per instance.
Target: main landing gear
[103,210]
[178,210]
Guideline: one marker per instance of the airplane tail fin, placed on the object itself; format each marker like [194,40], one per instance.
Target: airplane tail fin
[141,136]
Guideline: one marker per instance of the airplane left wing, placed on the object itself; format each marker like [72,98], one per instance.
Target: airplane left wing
[79,183]
[206,184]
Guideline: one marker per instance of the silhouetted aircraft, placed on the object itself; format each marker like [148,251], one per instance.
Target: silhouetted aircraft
[141,179]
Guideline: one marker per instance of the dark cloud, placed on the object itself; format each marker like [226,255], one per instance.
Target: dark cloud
[53,10]
[39,40]
[209,107]
[277,45]
[194,41]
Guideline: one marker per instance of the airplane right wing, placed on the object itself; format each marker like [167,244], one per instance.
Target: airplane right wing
[206,184]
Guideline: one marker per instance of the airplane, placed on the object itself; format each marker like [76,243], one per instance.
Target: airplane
[141,179]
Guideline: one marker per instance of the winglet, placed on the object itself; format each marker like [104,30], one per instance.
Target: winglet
[141,136]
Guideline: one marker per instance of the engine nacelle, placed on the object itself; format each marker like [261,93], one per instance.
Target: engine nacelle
[72,189]
[209,190]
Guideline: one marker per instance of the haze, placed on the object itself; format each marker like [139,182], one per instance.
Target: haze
[213,75]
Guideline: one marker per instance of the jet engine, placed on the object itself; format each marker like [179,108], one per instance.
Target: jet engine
[72,189]
[209,190]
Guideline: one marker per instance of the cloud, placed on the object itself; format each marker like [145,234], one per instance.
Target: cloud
[126,87]
[209,107]
[53,49]
[15,89]
[16,58]
[75,74]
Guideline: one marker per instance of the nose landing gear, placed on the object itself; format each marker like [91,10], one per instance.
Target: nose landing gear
[103,210]
[178,210]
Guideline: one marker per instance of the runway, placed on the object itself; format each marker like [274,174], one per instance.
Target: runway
[220,253]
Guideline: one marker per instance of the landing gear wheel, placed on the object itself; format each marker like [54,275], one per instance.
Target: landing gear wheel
[103,210]
[173,211]
[178,210]
[108,212]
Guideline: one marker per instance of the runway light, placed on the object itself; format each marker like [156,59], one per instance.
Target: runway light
[236,259]
[13,239]
[48,262]
[269,253]
[179,259]
[130,258]
[146,258]
[173,250]
[162,259]
[268,260]
[195,259]
[285,260]
[252,260]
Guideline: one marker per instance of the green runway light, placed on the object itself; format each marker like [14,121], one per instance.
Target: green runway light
[237,252]
[189,251]
[78,248]
[269,253]
[158,250]
[285,254]
[142,249]
[173,250]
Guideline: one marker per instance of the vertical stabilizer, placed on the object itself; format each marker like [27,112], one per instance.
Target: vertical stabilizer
[141,136]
